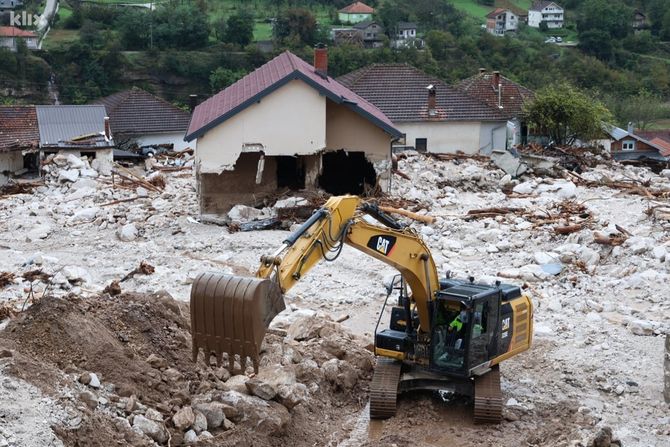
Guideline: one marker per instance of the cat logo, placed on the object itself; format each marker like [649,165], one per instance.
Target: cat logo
[382,244]
[505,324]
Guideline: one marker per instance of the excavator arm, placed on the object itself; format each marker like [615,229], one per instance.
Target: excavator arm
[230,314]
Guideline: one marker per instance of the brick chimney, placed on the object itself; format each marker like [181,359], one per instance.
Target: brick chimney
[432,100]
[192,102]
[321,59]
[495,80]
[108,129]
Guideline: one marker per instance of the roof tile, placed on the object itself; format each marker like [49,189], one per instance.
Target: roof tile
[357,8]
[18,128]
[399,90]
[137,112]
[513,96]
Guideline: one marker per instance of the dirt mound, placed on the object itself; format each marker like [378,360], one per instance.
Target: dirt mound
[126,360]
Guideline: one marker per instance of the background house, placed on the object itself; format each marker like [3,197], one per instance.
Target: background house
[504,94]
[639,21]
[628,145]
[501,21]
[288,125]
[371,33]
[433,116]
[10,4]
[11,35]
[355,13]
[19,137]
[81,130]
[545,11]
[141,119]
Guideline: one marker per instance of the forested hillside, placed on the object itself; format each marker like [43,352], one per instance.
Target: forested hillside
[181,47]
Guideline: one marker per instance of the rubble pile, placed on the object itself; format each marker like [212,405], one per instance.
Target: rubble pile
[122,369]
[592,248]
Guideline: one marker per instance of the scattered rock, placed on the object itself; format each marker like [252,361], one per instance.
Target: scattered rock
[190,437]
[90,399]
[261,389]
[157,362]
[183,418]
[213,412]
[641,327]
[127,233]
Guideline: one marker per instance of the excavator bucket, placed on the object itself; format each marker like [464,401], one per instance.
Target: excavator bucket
[230,314]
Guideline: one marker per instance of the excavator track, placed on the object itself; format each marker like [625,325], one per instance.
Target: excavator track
[488,398]
[384,388]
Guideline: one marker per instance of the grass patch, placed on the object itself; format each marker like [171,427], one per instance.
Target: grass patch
[472,8]
[59,37]
[262,31]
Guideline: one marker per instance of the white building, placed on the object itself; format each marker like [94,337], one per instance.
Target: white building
[501,21]
[545,11]
[10,36]
[434,116]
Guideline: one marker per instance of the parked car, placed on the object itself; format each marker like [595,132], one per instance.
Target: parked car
[550,40]
[559,39]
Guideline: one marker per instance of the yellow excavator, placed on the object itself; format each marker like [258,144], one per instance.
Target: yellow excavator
[444,334]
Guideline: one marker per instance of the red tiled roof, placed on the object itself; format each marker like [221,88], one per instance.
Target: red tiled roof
[357,8]
[663,145]
[399,90]
[12,31]
[493,14]
[18,128]
[137,112]
[512,98]
[269,77]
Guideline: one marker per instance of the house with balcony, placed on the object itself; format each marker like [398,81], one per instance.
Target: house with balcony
[548,12]
[501,21]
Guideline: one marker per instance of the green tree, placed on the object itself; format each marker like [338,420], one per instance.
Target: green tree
[642,109]
[240,29]
[597,43]
[223,77]
[609,16]
[184,26]
[296,25]
[565,114]
[134,25]
[439,43]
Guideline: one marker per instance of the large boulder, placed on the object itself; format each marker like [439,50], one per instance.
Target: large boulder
[265,417]
[183,418]
[213,412]
[150,428]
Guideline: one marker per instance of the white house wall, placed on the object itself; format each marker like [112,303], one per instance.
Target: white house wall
[10,162]
[289,121]
[174,138]
[492,135]
[470,137]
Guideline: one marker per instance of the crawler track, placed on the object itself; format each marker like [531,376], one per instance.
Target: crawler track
[384,388]
[488,398]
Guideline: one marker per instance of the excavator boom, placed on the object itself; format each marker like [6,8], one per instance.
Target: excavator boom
[230,314]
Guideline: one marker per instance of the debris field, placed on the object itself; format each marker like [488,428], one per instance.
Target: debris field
[96,266]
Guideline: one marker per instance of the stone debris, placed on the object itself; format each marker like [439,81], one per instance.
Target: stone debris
[591,248]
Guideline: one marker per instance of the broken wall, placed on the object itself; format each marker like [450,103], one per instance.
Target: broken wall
[100,154]
[220,192]
[10,162]
[289,121]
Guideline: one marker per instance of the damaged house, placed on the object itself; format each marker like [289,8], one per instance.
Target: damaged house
[288,125]
[19,141]
[81,130]
[434,116]
[504,94]
[140,119]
